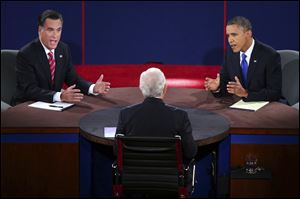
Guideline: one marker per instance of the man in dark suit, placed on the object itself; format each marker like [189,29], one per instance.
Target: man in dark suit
[154,118]
[252,70]
[45,64]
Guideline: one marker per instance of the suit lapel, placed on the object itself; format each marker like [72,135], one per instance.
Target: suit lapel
[237,67]
[59,63]
[43,60]
[253,62]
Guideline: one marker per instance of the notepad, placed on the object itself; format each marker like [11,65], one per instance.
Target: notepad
[251,106]
[56,106]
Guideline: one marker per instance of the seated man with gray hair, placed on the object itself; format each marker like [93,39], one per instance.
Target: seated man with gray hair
[154,118]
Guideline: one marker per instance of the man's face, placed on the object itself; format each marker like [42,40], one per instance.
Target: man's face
[238,38]
[50,33]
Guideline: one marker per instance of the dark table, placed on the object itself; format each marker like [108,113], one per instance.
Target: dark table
[208,127]
[43,140]
[274,118]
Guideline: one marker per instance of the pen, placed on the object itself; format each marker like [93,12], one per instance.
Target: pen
[55,106]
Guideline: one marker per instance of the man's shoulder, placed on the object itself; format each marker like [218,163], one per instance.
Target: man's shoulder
[62,45]
[134,107]
[131,107]
[264,48]
[230,54]
[31,50]
[30,46]
[36,45]
[176,110]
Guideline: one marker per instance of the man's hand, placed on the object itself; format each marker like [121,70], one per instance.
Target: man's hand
[100,86]
[236,88]
[71,95]
[212,84]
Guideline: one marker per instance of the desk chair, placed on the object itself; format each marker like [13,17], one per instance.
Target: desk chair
[151,167]
[290,75]
[8,77]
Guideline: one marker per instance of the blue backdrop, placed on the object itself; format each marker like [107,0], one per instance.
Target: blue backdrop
[133,32]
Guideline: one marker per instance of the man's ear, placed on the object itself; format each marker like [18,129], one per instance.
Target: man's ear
[165,90]
[40,29]
[249,33]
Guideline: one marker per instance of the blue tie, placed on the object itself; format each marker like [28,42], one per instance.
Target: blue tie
[244,67]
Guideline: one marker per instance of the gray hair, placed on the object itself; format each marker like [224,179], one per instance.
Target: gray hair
[240,21]
[152,82]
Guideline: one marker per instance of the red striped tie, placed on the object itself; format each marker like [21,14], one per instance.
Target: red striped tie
[52,65]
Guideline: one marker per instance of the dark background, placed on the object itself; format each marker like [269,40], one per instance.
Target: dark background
[134,32]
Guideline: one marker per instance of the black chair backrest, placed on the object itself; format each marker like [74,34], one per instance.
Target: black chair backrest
[8,75]
[290,75]
[150,166]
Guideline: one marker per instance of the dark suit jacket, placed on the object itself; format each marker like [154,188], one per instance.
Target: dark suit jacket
[264,73]
[33,73]
[154,118]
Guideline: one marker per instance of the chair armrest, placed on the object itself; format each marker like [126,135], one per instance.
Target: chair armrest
[115,173]
[190,164]
[4,106]
[296,106]
[189,173]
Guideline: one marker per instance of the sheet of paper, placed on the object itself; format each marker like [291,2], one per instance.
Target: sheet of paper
[57,106]
[252,106]
[109,132]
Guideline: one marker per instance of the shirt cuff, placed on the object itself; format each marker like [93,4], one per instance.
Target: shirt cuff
[216,91]
[56,97]
[91,90]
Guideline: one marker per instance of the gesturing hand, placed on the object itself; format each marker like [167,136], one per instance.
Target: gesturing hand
[212,84]
[101,86]
[236,88]
[71,94]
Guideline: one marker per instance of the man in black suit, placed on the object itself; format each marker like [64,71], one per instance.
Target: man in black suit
[154,118]
[45,64]
[252,70]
